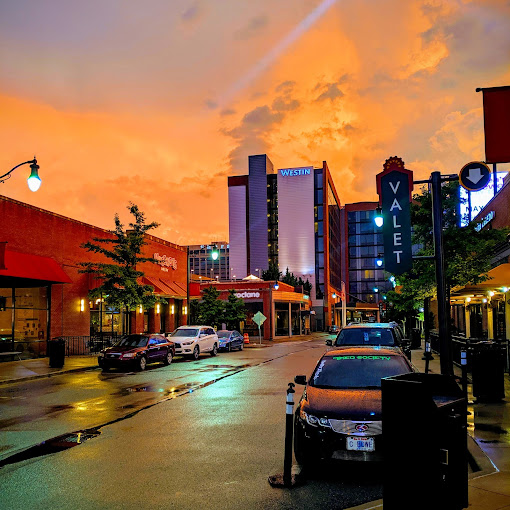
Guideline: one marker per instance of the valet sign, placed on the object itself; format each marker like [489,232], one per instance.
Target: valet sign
[394,186]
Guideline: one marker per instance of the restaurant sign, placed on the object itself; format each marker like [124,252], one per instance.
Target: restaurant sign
[165,262]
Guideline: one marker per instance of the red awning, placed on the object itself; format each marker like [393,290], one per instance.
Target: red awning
[32,267]
[159,287]
[178,289]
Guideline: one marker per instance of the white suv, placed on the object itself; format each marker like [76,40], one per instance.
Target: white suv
[193,340]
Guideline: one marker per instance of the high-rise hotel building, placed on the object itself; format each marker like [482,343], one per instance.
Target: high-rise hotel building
[290,217]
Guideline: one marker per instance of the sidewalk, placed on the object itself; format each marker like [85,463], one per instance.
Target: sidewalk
[488,423]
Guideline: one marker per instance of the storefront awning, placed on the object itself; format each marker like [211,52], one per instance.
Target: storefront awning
[166,288]
[32,267]
[179,290]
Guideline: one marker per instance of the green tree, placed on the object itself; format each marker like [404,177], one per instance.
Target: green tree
[211,309]
[119,280]
[272,273]
[290,279]
[234,311]
[467,251]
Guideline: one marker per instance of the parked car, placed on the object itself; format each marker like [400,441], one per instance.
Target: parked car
[137,351]
[376,334]
[339,415]
[334,329]
[193,340]
[230,339]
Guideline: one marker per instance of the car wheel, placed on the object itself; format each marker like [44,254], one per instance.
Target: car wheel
[229,348]
[241,347]
[215,349]
[142,363]
[168,358]
[196,353]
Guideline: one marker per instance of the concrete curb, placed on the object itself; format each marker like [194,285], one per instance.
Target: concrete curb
[50,374]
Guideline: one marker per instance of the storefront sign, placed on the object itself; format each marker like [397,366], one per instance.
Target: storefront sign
[247,295]
[165,262]
[485,220]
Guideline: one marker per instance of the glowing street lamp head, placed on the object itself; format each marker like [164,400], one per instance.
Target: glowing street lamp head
[215,254]
[34,181]
[379,261]
[378,218]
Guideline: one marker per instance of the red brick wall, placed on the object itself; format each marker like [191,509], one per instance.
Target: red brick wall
[35,231]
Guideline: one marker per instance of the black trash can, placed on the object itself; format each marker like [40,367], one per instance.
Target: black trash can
[488,370]
[56,352]
[424,442]
[415,338]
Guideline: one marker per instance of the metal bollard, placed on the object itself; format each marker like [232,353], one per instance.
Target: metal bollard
[289,430]
[287,480]
[427,356]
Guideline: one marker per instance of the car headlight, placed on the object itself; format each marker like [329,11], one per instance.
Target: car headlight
[313,420]
[188,343]
[129,355]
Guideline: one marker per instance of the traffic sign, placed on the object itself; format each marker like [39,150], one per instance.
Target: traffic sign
[474,176]
[259,319]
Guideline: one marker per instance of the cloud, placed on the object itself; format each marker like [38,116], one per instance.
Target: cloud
[332,92]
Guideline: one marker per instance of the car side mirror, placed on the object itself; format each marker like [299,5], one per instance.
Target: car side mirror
[329,341]
[300,379]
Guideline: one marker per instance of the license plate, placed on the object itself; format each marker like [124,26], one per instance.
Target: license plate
[360,444]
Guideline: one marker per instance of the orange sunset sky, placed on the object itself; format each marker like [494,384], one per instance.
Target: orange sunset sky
[157,102]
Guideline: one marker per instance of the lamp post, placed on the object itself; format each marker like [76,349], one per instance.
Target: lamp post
[33,181]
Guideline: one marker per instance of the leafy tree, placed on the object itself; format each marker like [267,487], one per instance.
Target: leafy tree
[467,252]
[211,309]
[120,287]
[234,311]
[273,273]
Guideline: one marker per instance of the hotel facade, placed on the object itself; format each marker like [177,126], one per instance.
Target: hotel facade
[290,218]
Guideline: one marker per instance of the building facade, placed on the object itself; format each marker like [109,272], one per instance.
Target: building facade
[43,295]
[362,246]
[290,218]
[202,263]
[287,312]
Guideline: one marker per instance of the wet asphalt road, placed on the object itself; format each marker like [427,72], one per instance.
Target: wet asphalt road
[194,434]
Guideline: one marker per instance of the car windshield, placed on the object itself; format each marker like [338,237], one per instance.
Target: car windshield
[357,371]
[133,341]
[223,334]
[185,332]
[366,336]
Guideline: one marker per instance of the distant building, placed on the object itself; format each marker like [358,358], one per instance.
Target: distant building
[362,245]
[201,262]
[290,218]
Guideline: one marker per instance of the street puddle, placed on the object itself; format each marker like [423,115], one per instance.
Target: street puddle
[54,445]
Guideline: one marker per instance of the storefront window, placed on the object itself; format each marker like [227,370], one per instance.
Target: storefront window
[107,320]
[282,319]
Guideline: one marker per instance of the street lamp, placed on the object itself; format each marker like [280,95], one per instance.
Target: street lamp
[379,260]
[33,181]
[378,218]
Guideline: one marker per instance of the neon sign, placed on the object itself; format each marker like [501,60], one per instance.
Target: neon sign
[291,172]
[165,262]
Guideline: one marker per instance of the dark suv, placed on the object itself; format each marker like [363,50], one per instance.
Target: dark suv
[381,334]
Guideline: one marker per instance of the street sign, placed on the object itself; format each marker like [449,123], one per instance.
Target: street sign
[474,176]
[394,186]
[259,319]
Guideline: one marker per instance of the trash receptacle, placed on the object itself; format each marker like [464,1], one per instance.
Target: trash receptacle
[488,370]
[424,441]
[56,352]
[415,338]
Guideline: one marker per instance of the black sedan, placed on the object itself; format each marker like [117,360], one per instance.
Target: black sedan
[230,339]
[339,414]
[137,351]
